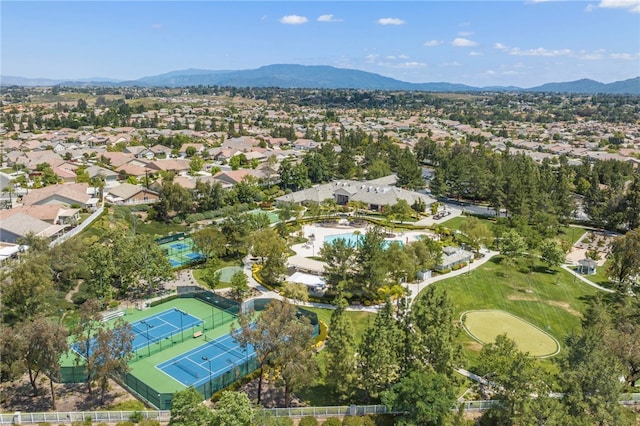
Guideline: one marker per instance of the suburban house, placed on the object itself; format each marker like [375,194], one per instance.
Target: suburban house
[375,196]
[128,194]
[55,214]
[19,225]
[69,194]
[453,256]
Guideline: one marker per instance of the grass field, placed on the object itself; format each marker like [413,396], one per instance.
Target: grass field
[486,325]
[554,302]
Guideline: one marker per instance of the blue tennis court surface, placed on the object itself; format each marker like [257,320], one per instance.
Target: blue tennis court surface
[156,327]
[179,246]
[207,361]
[161,325]
[194,256]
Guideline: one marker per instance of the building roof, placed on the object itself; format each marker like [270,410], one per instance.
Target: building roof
[21,224]
[127,190]
[70,192]
[367,192]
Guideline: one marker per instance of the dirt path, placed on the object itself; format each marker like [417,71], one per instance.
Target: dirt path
[69,296]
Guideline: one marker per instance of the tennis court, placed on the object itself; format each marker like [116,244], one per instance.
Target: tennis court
[207,361]
[162,325]
[180,249]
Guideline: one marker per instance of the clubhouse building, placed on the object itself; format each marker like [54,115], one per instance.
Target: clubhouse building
[375,194]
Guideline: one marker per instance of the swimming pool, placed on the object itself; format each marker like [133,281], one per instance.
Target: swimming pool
[354,239]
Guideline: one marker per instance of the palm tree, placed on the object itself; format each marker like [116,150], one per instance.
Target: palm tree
[10,189]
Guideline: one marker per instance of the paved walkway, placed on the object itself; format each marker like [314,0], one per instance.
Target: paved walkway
[584,279]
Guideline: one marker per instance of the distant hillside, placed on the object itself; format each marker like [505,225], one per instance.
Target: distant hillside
[585,85]
[325,77]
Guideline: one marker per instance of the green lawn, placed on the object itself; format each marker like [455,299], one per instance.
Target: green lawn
[486,325]
[553,302]
[358,319]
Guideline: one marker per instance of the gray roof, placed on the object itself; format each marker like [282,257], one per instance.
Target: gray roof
[367,192]
[127,190]
[21,224]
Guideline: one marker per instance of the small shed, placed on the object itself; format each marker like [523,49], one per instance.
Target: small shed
[587,266]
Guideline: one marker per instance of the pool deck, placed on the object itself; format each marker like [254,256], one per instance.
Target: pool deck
[319,233]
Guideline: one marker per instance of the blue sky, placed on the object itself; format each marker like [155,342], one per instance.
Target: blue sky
[522,43]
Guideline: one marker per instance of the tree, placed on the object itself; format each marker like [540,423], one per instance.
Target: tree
[511,375]
[340,350]
[210,241]
[370,267]
[295,360]
[512,244]
[269,334]
[340,258]
[187,409]
[263,241]
[25,290]
[233,409]
[378,362]
[275,265]
[477,232]
[401,211]
[432,333]
[425,397]
[295,291]
[625,262]
[591,376]
[88,321]
[44,345]
[195,164]
[112,349]
[408,171]
[552,253]
[239,286]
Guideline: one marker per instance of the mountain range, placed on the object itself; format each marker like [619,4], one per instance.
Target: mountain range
[320,77]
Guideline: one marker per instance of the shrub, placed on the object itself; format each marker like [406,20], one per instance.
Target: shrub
[149,422]
[332,421]
[352,421]
[125,423]
[195,217]
[130,405]
[136,416]
[322,335]
[308,421]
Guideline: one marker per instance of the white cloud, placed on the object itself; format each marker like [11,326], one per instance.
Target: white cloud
[432,43]
[632,6]
[465,33]
[156,26]
[371,58]
[328,18]
[463,42]
[293,20]
[402,56]
[625,56]
[390,21]
[411,64]
[491,72]
[402,65]
[540,51]
[450,64]
[475,53]
[511,72]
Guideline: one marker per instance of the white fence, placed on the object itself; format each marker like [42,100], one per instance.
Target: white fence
[79,228]
[164,416]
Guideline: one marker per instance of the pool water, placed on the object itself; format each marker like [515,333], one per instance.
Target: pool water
[354,239]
